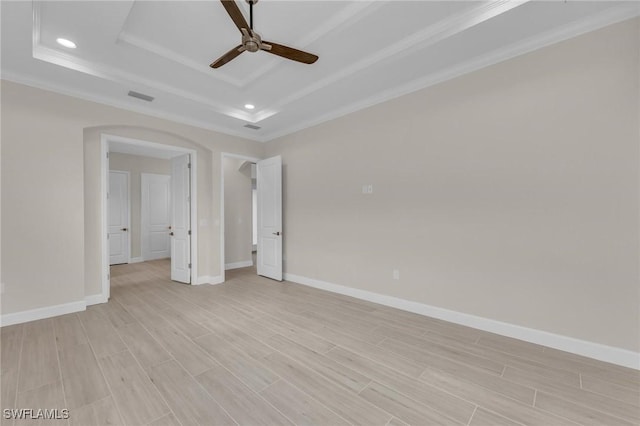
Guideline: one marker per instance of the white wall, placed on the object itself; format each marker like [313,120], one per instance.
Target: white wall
[51,252]
[237,212]
[510,193]
[136,165]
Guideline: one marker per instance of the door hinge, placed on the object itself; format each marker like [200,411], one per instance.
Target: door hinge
[108,276]
[107,195]
[107,155]
[107,236]
[189,232]
[188,165]
[189,266]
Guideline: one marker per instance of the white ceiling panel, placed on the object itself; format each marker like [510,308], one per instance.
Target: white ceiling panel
[370,51]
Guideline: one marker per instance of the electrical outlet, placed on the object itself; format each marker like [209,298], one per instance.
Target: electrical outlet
[396,274]
[367,189]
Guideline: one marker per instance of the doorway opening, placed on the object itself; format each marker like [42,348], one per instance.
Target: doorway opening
[239,183]
[251,214]
[161,218]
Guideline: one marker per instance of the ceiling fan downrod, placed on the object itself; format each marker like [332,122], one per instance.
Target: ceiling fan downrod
[251,2]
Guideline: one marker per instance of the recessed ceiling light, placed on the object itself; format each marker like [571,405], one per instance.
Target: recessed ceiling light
[249,106]
[66,43]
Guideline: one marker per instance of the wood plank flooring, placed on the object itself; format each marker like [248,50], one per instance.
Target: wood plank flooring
[258,352]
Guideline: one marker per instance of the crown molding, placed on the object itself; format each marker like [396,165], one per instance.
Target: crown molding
[428,36]
[109,73]
[126,38]
[63,90]
[347,16]
[66,60]
[610,17]
[171,55]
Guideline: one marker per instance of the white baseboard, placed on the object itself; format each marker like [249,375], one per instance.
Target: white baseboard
[136,260]
[236,265]
[585,348]
[218,279]
[42,313]
[95,299]
[207,279]
[202,280]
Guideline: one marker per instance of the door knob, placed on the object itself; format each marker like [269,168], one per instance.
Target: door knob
[171,233]
[276,233]
[124,229]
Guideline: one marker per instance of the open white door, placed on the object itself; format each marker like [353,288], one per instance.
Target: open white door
[118,217]
[181,219]
[269,180]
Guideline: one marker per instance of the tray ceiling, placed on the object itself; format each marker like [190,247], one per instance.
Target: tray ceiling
[370,51]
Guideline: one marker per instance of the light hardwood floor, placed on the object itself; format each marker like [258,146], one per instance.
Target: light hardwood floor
[258,352]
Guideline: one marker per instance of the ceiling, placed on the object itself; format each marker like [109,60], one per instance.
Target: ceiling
[370,51]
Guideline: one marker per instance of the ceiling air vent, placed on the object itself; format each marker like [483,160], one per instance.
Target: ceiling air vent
[251,126]
[140,96]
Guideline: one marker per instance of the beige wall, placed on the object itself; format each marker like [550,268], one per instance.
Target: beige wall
[42,204]
[237,211]
[51,191]
[510,193]
[136,165]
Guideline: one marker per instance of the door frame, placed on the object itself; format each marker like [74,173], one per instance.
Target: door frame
[124,172]
[143,219]
[104,179]
[222,219]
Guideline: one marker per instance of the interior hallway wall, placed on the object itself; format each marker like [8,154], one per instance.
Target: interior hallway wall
[237,212]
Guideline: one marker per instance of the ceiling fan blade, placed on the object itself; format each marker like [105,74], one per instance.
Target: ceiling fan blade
[234,12]
[229,56]
[290,53]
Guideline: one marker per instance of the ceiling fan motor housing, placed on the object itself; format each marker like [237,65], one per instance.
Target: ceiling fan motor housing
[251,41]
[251,46]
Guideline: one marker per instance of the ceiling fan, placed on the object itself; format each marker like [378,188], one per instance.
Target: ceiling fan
[252,42]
